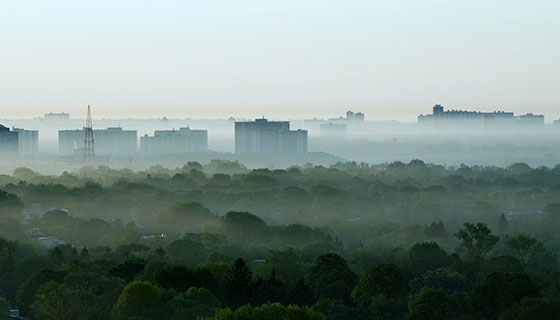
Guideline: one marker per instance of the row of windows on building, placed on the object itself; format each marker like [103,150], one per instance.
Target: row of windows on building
[259,137]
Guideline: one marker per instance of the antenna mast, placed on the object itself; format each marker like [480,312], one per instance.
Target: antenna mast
[89,150]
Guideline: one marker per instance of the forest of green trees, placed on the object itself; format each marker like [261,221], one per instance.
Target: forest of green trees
[220,241]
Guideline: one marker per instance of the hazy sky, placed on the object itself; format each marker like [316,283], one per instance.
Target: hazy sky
[292,59]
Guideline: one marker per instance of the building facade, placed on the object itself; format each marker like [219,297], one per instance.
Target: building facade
[8,141]
[265,137]
[529,119]
[28,141]
[179,141]
[352,116]
[439,115]
[114,142]
[490,119]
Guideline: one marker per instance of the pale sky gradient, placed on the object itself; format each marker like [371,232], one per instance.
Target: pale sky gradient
[288,58]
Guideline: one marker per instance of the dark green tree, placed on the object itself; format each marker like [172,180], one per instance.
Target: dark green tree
[139,301]
[433,304]
[531,309]
[195,303]
[383,280]
[274,311]
[498,292]
[477,240]
[128,269]
[301,295]
[426,256]
[238,284]
[330,277]
[521,247]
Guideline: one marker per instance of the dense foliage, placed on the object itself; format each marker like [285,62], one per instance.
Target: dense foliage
[219,241]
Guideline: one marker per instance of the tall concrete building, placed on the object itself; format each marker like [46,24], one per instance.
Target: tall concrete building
[269,138]
[352,116]
[179,141]
[114,142]
[8,141]
[28,141]
[359,117]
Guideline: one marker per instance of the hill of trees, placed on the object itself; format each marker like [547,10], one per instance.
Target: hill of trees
[219,241]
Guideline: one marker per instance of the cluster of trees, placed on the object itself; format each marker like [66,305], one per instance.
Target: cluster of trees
[221,242]
[520,280]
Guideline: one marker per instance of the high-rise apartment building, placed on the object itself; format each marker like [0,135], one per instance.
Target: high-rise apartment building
[28,141]
[184,140]
[269,138]
[8,141]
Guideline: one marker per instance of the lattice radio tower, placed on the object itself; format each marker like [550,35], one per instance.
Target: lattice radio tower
[89,150]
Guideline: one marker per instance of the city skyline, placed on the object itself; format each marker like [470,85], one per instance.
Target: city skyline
[337,114]
[247,58]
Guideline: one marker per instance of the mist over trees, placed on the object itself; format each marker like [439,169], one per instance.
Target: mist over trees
[219,241]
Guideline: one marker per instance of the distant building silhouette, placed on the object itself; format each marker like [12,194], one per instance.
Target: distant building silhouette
[114,142]
[530,119]
[8,141]
[57,116]
[357,117]
[333,130]
[28,141]
[441,116]
[179,141]
[265,137]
